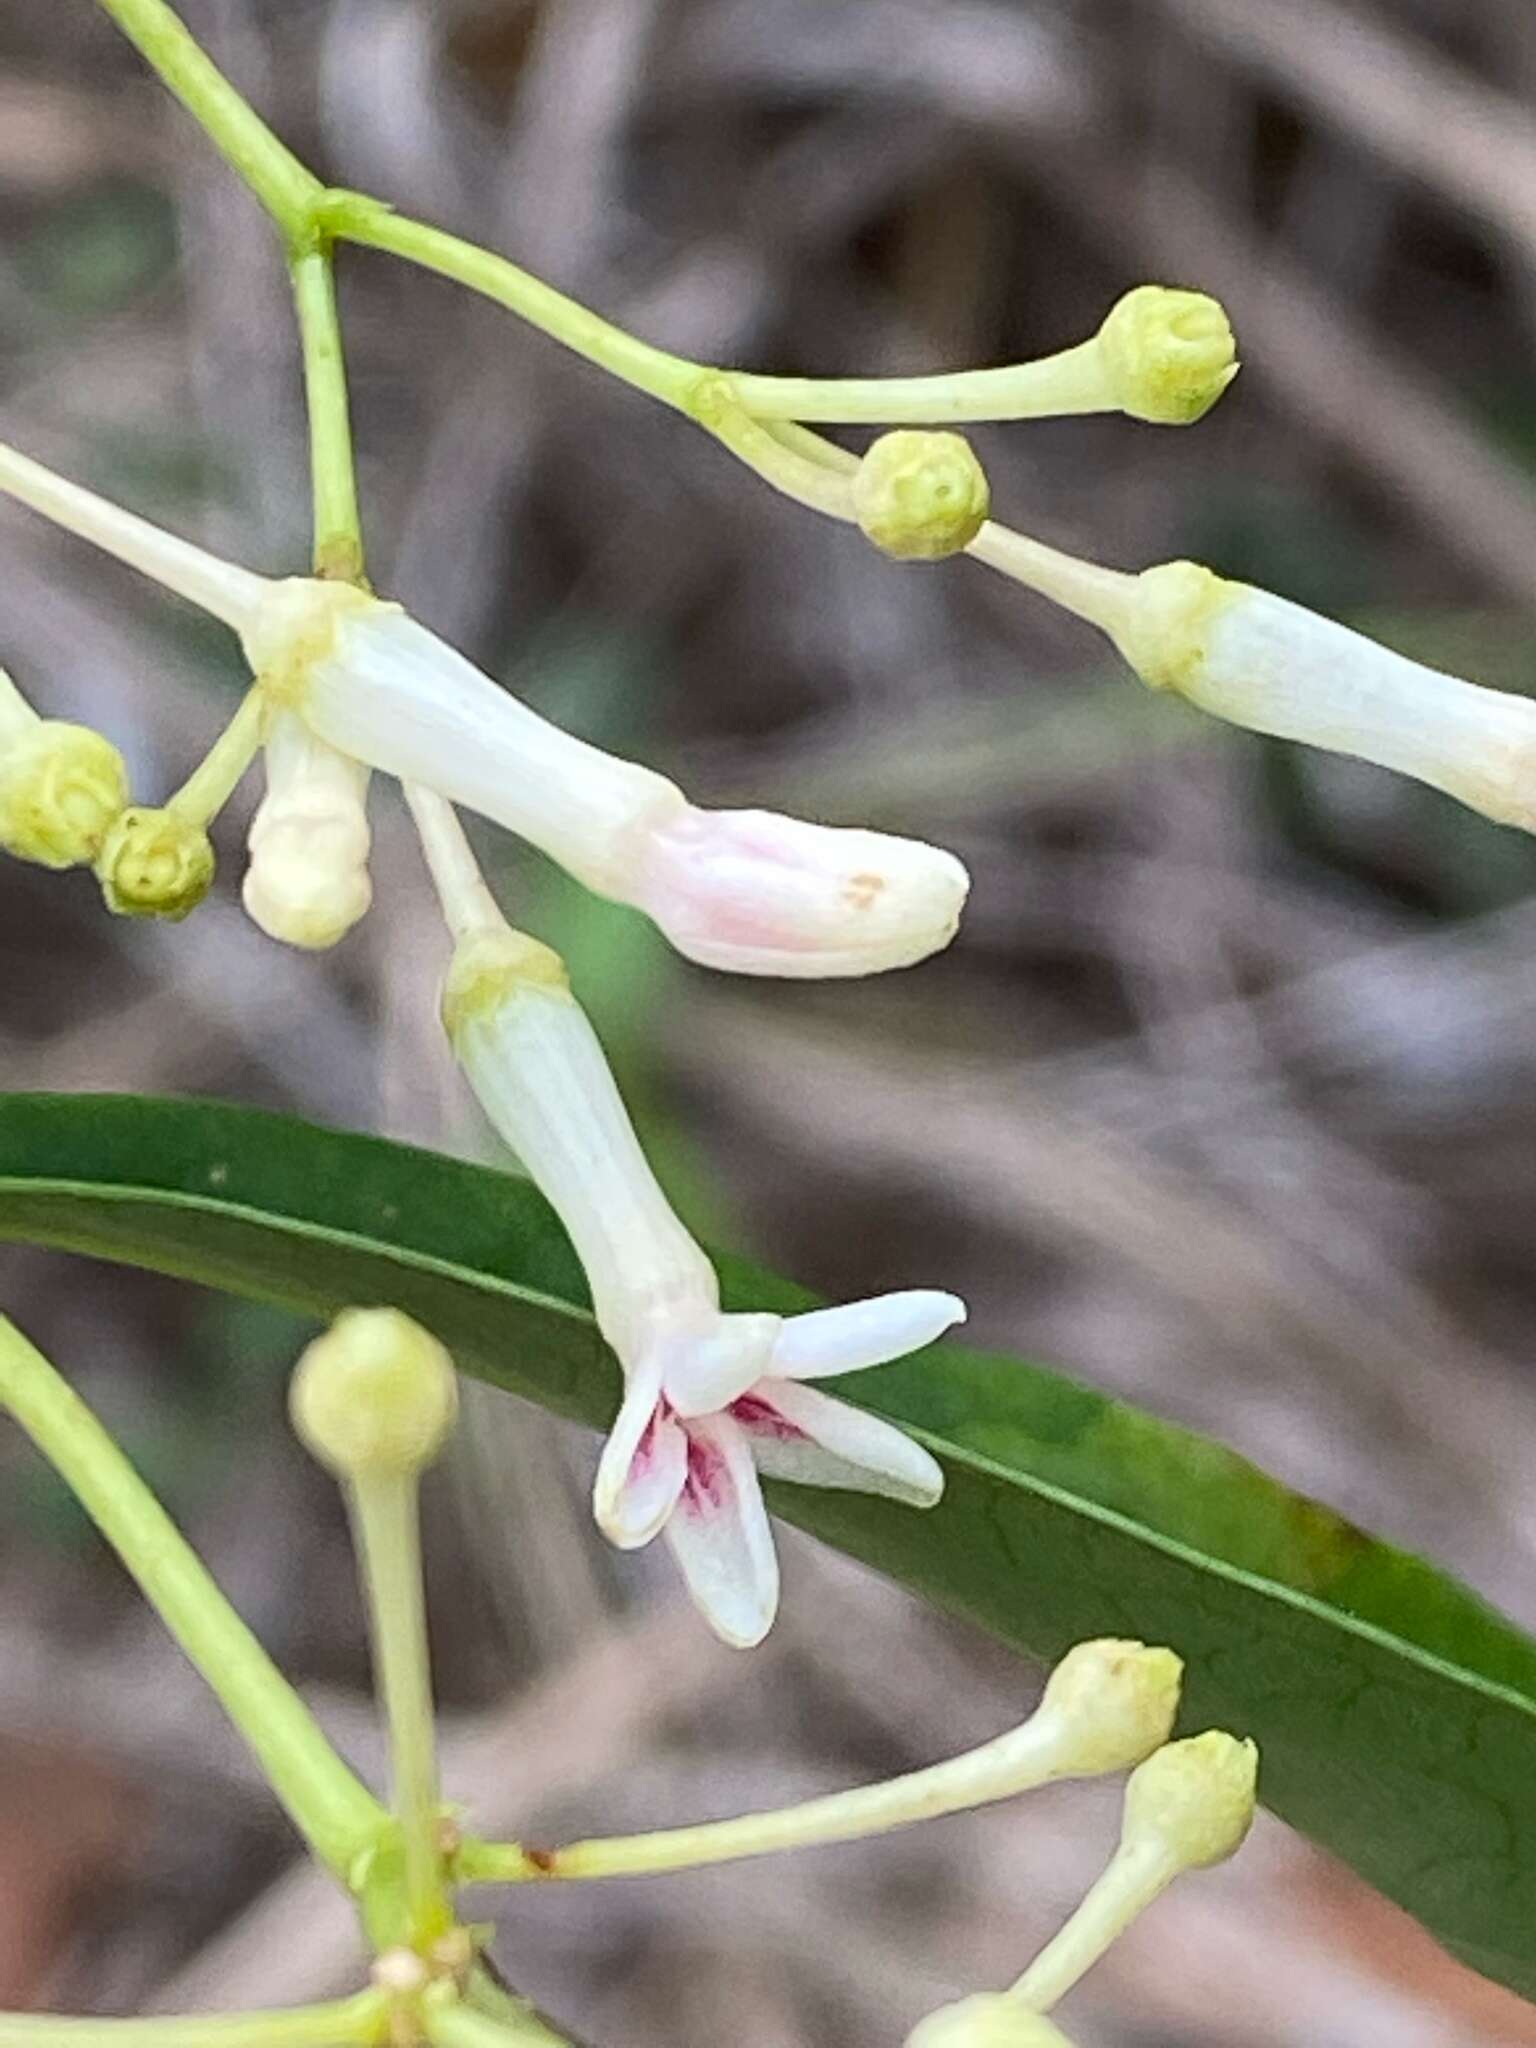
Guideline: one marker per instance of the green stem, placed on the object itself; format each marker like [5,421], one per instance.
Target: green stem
[461,2026]
[1105,597]
[352,217]
[338,542]
[1072,381]
[386,1521]
[335,1813]
[793,463]
[274,174]
[343,2023]
[486,1994]
[212,782]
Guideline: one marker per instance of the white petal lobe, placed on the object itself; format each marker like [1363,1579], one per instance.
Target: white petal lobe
[720,1536]
[642,1468]
[860,1333]
[829,1443]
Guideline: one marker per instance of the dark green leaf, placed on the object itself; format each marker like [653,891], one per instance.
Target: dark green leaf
[1396,1712]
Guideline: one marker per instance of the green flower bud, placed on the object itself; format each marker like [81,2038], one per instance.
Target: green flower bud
[991,2020]
[376,1394]
[1168,355]
[1116,1702]
[155,863]
[61,787]
[920,495]
[1194,1800]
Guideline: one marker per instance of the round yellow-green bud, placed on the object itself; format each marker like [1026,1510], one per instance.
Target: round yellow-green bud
[1194,1800]
[376,1394]
[1116,1702]
[155,863]
[61,787]
[990,2020]
[920,495]
[1168,354]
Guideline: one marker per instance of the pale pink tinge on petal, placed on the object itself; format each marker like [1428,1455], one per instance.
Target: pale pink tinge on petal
[756,893]
[642,1468]
[862,1333]
[800,1434]
[719,1534]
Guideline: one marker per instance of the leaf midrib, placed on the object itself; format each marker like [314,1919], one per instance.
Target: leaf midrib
[105,1194]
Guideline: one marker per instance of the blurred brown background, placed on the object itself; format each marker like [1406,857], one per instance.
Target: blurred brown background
[1226,1098]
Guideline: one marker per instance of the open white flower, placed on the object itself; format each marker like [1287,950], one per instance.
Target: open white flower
[690,1441]
[711,1399]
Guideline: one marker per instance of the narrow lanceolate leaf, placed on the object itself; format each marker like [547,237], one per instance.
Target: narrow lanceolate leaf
[1396,1712]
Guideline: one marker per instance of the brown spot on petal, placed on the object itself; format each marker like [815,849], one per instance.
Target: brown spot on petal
[862,890]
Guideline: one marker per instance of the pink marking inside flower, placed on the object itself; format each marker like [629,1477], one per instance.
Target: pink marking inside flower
[707,1487]
[763,1419]
[645,1450]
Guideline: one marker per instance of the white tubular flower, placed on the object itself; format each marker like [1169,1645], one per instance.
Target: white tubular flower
[710,1398]
[1260,661]
[991,2020]
[1263,662]
[307,882]
[744,890]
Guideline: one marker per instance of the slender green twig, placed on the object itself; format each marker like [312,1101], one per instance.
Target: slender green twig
[285,188]
[355,2022]
[211,784]
[352,217]
[386,1523]
[338,542]
[511,2026]
[336,1814]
